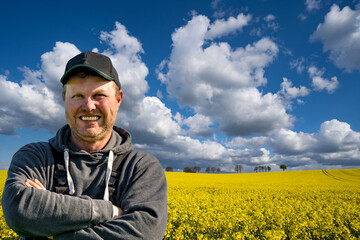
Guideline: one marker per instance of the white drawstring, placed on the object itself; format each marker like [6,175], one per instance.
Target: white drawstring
[68,175]
[108,174]
[107,178]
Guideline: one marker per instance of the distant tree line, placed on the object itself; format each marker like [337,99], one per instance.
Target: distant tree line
[238,168]
[262,169]
[169,169]
[192,169]
[212,169]
[195,169]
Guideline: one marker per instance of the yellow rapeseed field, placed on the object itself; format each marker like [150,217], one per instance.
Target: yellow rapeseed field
[5,231]
[274,205]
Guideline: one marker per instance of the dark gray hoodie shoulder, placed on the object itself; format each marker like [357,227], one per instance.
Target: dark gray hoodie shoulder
[140,191]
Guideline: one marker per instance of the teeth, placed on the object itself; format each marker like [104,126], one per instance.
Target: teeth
[89,118]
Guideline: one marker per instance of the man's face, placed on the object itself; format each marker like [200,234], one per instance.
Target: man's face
[91,105]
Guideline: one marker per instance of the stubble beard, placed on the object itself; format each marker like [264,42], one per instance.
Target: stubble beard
[87,135]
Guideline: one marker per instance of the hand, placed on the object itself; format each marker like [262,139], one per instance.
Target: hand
[35,184]
[117,212]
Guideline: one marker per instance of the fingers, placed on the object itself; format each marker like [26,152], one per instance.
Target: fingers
[117,212]
[40,184]
[35,184]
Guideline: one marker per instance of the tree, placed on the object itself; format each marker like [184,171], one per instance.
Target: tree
[268,168]
[196,169]
[213,169]
[218,170]
[256,169]
[283,167]
[188,170]
[169,169]
[207,170]
[238,168]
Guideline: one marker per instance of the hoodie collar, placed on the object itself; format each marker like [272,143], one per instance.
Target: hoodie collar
[119,142]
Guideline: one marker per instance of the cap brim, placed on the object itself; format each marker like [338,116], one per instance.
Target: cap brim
[65,77]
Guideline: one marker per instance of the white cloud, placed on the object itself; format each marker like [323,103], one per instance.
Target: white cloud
[125,53]
[220,82]
[223,27]
[152,121]
[215,3]
[288,142]
[337,136]
[333,136]
[159,94]
[334,143]
[340,35]
[36,102]
[290,92]
[269,18]
[314,71]
[28,106]
[217,6]
[312,5]
[147,118]
[199,125]
[181,151]
[300,102]
[195,149]
[319,83]
[254,142]
[120,40]
[302,17]
[268,24]
[298,64]
[247,111]
[271,24]
[262,157]
[53,65]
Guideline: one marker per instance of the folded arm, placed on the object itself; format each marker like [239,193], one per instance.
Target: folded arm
[117,212]
[144,202]
[30,211]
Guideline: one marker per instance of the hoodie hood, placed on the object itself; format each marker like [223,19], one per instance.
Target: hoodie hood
[98,162]
[120,142]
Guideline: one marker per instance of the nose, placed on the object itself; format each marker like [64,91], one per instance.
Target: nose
[89,104]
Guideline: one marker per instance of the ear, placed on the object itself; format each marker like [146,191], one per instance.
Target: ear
[119,97]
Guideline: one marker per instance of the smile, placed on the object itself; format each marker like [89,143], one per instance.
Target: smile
[95,118]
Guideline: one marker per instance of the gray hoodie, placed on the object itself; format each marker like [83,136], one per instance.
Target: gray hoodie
[86,214]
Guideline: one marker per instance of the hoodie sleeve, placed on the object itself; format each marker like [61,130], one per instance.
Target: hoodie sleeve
[144,202]
[34,212]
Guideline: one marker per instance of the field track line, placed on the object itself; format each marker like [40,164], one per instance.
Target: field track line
[334,177]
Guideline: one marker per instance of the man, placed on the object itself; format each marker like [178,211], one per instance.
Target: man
[87,182]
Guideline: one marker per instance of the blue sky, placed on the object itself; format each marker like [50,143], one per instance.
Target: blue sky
[206,83]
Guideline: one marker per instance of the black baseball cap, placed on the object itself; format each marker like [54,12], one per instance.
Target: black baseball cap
[97,62]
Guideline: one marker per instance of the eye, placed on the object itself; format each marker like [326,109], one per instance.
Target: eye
[100,95]
[76,96]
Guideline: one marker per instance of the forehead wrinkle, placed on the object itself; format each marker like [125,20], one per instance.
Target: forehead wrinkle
[76,87]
